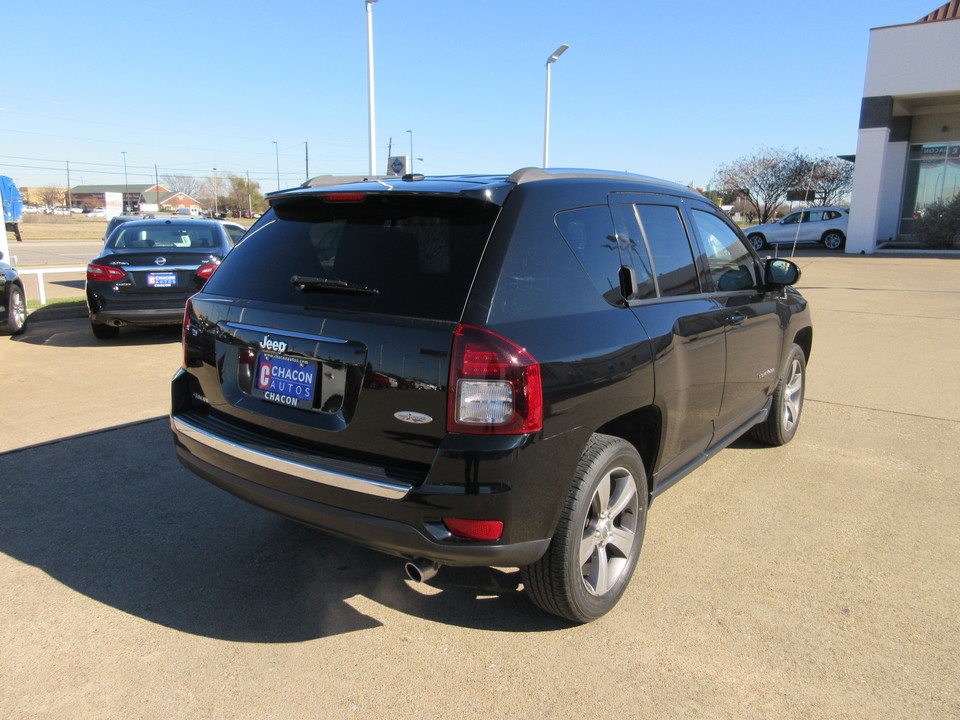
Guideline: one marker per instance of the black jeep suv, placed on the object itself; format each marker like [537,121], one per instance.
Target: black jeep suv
[488,370]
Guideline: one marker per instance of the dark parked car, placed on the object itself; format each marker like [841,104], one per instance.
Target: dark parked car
[148,269]
[566,345]
[13,303]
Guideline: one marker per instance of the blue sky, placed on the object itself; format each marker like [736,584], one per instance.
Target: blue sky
[670,89]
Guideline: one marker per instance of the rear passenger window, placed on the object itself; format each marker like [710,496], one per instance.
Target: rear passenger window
[730,262]
[660,229]
[589,233]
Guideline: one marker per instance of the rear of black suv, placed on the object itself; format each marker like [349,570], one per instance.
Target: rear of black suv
[462,370]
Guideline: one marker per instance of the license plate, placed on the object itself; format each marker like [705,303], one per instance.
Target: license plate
[161,280]
[286,381]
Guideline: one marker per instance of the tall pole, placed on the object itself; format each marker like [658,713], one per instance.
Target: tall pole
[69,194]
[216,189]
[126,183]
[546,124]
[276,147]
[370,98]
[156,182]
[306,160]
[249,196]
[410,169]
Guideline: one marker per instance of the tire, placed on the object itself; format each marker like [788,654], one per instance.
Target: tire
[16,317]
[758,241]
[594,550]
[104,332]
[784,418]
[833,240]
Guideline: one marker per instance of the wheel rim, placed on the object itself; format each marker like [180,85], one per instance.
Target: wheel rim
[610,531]
[832,241]
[19,308]
[793,396]
[757,242]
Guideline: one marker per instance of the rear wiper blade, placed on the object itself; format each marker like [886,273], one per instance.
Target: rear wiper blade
[305,283]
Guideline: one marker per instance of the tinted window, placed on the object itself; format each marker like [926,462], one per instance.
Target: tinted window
[589,233]
[730,262]
[409,255]
[662,231]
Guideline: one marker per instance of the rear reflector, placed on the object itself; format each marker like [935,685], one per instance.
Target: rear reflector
[474,529]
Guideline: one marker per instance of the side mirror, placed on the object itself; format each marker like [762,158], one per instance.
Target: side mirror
[781,272]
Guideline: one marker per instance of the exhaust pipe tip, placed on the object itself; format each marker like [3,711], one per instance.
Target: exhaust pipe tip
[421,570]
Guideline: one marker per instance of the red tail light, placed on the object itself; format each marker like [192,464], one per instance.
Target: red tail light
[345,197]
[207,270]
[494,387]
[102,273]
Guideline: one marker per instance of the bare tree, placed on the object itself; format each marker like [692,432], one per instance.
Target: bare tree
[831,180]
[52,196]
[187,184]
[764,178]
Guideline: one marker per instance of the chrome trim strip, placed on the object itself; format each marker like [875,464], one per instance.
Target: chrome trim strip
[288,333]
[155,268]
[391,491]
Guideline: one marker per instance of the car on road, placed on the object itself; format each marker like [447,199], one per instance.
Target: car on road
[824,225]
[147,270]
[488,370]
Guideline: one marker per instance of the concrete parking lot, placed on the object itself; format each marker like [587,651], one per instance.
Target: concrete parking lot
[817,580]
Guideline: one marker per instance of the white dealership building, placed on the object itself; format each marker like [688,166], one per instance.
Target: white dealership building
[908,146]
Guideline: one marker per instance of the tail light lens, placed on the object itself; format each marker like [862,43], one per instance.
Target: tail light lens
[102,273]
[206,271]
[494,386]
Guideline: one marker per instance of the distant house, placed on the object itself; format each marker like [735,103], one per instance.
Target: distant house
[91,196]
[908,145]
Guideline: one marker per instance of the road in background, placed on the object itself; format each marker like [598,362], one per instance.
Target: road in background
[817,580]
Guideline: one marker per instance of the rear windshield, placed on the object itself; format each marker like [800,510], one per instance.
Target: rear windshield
[410,255]
[167,236]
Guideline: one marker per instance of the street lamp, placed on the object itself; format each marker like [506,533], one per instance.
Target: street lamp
[546,125]
[410,169]
[370,100]
[276,147]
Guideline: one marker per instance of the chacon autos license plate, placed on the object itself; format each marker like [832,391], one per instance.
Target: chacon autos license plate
[161,280]
[286,381]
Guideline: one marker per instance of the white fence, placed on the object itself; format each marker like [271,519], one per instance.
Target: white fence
[41,272]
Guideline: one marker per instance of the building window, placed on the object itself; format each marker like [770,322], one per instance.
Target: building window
[933,173]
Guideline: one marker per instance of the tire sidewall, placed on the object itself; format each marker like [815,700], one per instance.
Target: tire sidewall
[618,453]
[795,354]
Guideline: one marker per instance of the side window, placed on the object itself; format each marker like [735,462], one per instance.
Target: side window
[791,219]
[662,231]
[589,233]
[830,214]
[813,216]
[730,262]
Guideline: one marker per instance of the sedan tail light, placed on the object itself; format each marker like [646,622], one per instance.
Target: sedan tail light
[205,271]
[103,273]
[495,386]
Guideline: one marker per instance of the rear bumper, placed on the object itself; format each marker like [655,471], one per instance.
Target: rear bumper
[521,481]
[136,311]
[386,535]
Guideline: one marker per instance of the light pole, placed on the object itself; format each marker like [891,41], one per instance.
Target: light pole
[410,169]
[546,124]
[126,182]
[276,147]
[370,100]
[216,189]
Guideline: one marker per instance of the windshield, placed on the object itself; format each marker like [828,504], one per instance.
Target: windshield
[397,254]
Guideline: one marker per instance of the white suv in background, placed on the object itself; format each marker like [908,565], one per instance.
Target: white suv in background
[827,225]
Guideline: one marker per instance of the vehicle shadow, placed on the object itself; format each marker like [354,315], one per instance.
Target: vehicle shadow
[112,515]
[74,332]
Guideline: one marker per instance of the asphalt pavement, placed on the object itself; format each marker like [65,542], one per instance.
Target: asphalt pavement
[817,580]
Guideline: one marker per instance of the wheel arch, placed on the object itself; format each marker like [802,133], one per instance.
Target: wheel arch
[642,428]
[804,338]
